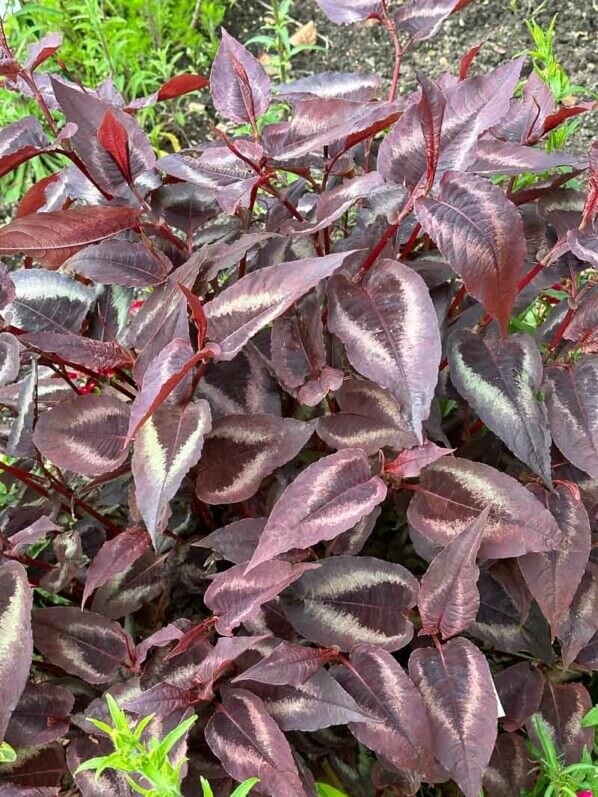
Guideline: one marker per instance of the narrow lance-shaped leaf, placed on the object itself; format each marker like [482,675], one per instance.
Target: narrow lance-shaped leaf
[288,664]
[78,349]
[390,330]
[257,299]
[501,380]
[113,557]
[421,19]
[85,434]
[400,731]
[572,399]
[448,597]
[410,462]
[342,11]
[235,597]
[453,491]
[581,621]
[53,237]
[319,703]
[16,644]
[239,84]
[242,450]
[168,444]
[9,358]
[457,688]
[82,643]
[553,577]
[480,232]
[249,743]
[326,499]
[351,601]
[166,379]
[113,137]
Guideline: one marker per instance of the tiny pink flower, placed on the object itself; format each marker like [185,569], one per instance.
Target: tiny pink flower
[584,793]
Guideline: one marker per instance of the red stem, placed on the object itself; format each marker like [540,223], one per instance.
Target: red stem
[390,26]
[407,249]
[562,328]
[457,301]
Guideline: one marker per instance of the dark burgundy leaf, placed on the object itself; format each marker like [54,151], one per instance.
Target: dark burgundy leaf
[500,157]
[553,577]
[237,541]
[354,86]
[129,590]
[85,434]
[410,463]
[581,622]
[563,706]
[370,419]
[326,499]
[472,106]
[510,771]
[109,783]
[583,328]
[421,19]
[249,743]
[457,688]
[236,597]
[82,643]
[21,141]
[119,262]
[53,237]
[9,358]
[452,493]
[333,203]
[341,11]
[333,122]
[87,112]
[298,347]
[318,703]
[390,331]
[572,400]
[448,598]
[78,349]
[351,601]
[48,302]
[400,731]
[113,557]
[288,664]
[164,636]
[499,623]
[480,233]
[32,533]
[166,381]
[15,631]
[41,715]
[239,84]
[167,445]
[500,379]
[35,767]
[256,300]
[42,50]
[520,689]
[351,542]
[242,450]
[243,385]
[162,700]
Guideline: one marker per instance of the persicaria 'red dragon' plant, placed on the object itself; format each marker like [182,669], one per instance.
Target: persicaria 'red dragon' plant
[303,427]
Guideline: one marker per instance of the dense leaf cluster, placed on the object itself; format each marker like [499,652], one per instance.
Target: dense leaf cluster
[303,429]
